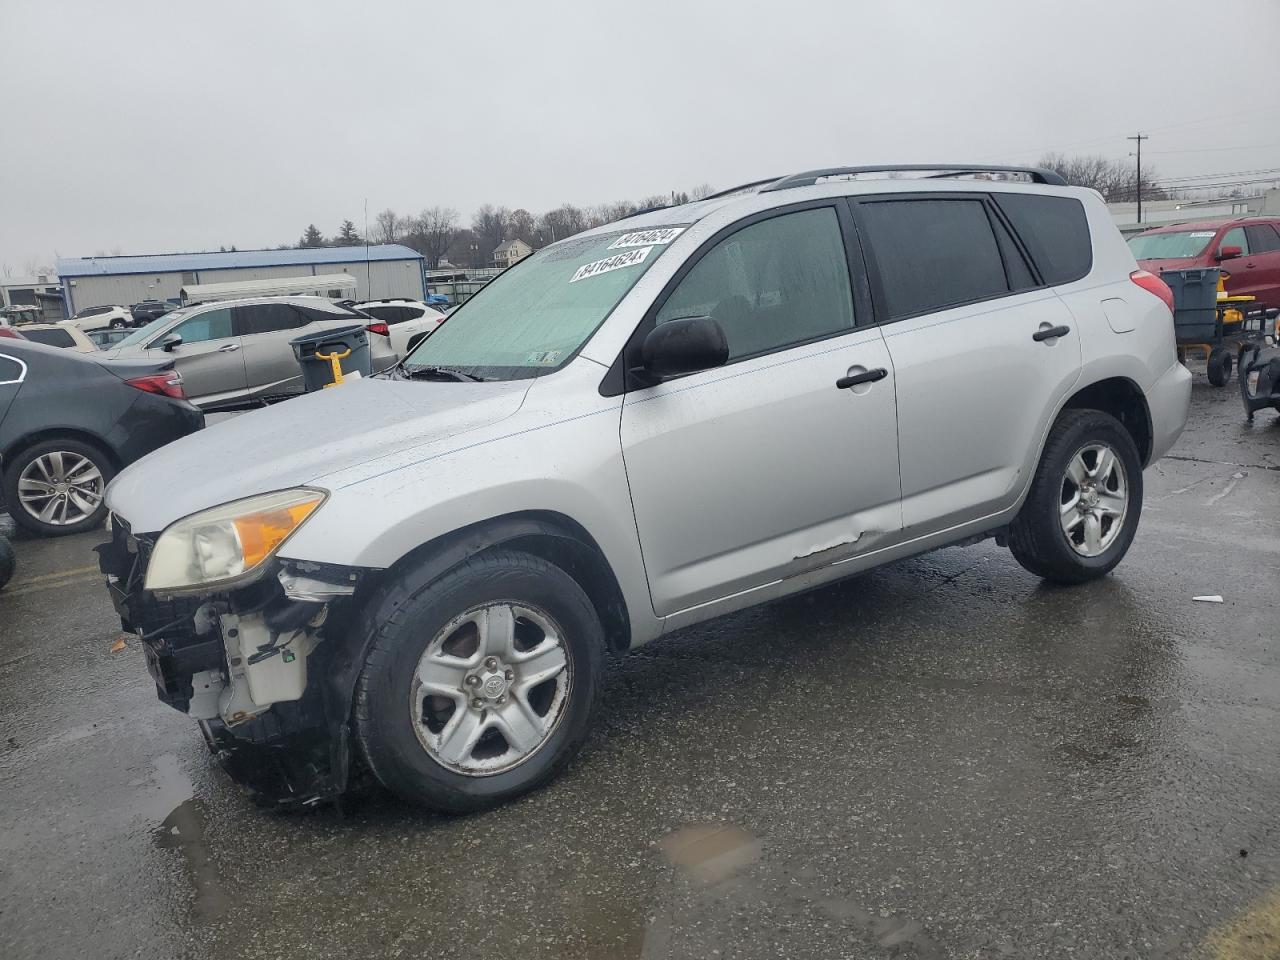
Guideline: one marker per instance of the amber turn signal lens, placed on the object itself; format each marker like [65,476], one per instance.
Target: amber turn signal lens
[261,533]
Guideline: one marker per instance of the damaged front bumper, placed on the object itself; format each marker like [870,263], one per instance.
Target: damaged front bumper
[260,667]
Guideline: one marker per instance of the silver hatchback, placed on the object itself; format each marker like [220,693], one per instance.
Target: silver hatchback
[633,430]
[236,352]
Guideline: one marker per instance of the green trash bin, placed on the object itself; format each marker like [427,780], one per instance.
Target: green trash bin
[1195,303]
[317,352]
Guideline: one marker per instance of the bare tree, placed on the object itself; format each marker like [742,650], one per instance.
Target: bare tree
[701,191]
[1116,180]
[433,232]
[521,223]
[490,228]
[563,221]
[387,227]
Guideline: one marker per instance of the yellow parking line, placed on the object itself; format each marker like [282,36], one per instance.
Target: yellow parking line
[59,575]
[1252,935]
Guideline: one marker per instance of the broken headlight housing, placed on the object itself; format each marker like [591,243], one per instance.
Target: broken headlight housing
[228,544]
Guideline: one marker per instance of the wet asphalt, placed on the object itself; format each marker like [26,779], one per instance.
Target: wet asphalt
[943,758]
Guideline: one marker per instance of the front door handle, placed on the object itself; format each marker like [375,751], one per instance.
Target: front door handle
[229,348]
[1050,333]
[867,376]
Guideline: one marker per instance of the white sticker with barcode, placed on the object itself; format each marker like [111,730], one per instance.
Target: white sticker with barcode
[647,238]
[616,262]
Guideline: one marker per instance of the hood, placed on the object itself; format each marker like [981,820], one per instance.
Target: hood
[300,441]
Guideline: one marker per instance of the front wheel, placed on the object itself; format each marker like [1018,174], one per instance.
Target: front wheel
[481,685]
[1085,501]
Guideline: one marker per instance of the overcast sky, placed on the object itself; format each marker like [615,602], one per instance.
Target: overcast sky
[153,127]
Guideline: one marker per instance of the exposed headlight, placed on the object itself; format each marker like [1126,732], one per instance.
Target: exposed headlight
[229,542]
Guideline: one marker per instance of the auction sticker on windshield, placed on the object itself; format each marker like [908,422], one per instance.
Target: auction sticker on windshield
[616,262]
[646,238]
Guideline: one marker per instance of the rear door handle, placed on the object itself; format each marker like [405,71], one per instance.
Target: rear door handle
[1050,333]
[867,376]
[229,348]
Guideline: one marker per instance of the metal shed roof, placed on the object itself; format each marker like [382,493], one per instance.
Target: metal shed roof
[186,262]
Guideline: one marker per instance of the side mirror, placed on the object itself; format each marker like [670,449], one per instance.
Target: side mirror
[170,342]
[1229,253]
[686,345]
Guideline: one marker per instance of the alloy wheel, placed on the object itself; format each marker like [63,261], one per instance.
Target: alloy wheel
[60,488]
[1094,501]
[490,688]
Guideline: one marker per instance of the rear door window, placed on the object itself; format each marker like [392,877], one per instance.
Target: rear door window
[267,318]
[1055,231]
[1262,238]
[933,254]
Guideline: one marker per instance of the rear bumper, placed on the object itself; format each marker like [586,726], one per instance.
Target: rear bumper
[1169,400]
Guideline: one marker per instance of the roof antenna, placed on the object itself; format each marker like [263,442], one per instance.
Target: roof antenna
[368,276]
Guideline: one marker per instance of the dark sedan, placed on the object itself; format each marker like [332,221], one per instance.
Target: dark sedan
[70,421]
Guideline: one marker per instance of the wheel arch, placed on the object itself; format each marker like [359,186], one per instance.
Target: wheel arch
[1123,399]
[553,536]
[29,440]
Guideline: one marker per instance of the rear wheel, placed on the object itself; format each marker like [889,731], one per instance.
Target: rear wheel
[1085,501]
[56,487]
[1219,366]
[480,685]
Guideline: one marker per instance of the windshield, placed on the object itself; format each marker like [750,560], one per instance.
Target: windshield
[143,334]
[1169,246]
[532,318]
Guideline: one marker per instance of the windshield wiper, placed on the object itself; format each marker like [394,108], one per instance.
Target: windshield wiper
[439,373]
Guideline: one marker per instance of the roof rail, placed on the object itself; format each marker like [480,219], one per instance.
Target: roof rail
[810,177]
[742,186]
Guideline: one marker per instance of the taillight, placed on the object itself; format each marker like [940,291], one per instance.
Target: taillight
[10,332]
[381,328]
[1152,284]
[167,384]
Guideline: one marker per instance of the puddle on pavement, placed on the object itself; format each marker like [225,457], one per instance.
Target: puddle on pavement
[711,852]
[183,829]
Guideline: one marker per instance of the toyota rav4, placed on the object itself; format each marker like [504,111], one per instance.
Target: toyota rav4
[420,576]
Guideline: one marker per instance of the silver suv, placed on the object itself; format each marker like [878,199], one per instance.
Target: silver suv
[233,353]
[636,429]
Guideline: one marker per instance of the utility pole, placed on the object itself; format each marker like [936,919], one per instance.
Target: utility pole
[1139,138]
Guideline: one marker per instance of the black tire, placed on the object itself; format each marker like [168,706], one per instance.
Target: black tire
[33,524]
[8,561]
[404,618]
[1219,366]
[1036,537]
[117,324]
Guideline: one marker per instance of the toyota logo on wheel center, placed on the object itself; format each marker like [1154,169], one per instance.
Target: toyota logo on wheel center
[494,686]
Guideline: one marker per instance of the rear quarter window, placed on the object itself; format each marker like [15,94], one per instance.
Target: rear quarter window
[1055,231]
[10,370]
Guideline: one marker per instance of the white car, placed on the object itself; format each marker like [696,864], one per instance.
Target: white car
[108,317]
[407,322]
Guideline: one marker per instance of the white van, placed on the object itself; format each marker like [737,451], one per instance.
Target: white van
[336,286]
